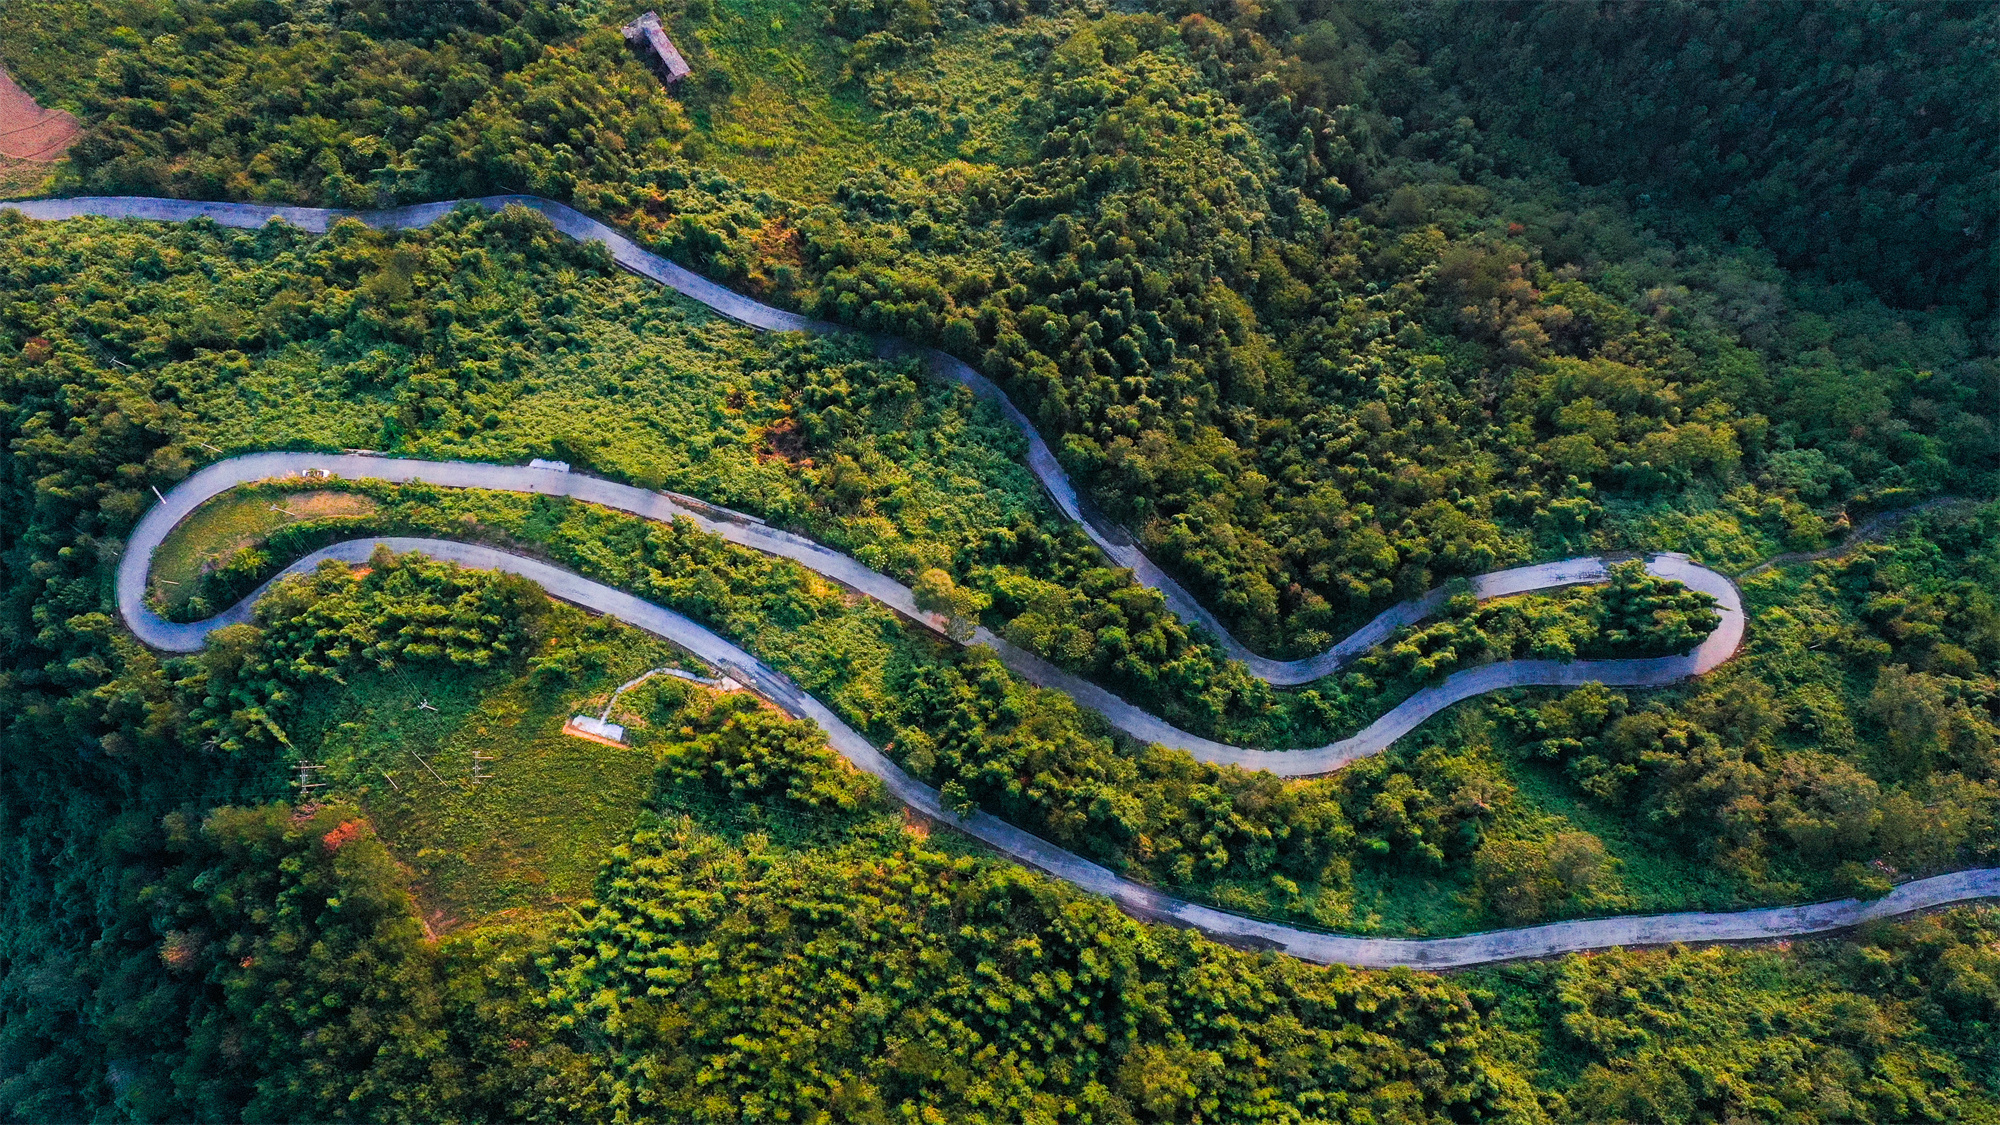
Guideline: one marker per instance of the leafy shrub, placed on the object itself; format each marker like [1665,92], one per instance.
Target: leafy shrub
[739,750]
[1640,614]
[316,627]
[1522,881]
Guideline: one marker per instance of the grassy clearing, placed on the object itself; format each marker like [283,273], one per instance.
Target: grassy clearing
[784,121]
[529,839]
[24,179]
[234,521]
[961,100]
[786,117]
[532,837]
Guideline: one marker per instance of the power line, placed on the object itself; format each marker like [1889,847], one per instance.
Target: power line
[305,783]
[426,765]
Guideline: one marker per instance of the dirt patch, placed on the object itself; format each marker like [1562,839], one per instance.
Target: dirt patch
[29,132]
[294,507]
[783,440]
[778,244]
[328,505]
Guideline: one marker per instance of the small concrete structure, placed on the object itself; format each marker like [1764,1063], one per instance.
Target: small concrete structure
[597,730]
[602,729]
[651,39]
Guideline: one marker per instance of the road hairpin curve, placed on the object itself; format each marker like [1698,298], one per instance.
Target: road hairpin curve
[1019,845]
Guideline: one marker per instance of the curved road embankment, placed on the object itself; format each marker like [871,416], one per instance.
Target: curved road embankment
[745,531]
[1438,953]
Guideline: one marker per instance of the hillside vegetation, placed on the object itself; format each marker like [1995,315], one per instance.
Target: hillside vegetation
[1330,304]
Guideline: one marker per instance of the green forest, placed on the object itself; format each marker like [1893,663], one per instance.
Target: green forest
[1329,304]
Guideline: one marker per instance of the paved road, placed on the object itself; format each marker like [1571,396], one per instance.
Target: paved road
[1041,460]
[1135,721]
[1535,941]
[1026,848]
[1874,527]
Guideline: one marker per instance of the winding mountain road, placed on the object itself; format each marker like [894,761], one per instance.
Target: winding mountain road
[1534,941]
[745,531]
[1033,851]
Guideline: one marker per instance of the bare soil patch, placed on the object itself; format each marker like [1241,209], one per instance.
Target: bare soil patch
[783,440]
[29,132]
[227,524]
[327,505]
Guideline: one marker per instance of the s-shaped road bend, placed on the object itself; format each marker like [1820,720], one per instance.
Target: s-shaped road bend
[1434,953]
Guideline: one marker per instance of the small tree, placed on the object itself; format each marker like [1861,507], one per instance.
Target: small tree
[1527,880]
[937,593]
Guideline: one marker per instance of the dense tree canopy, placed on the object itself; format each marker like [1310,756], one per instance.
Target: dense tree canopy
[1330,304]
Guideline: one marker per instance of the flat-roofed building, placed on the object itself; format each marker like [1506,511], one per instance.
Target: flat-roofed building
[647,34]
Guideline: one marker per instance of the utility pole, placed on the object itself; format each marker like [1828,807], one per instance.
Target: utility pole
[479,767]
[305,783]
